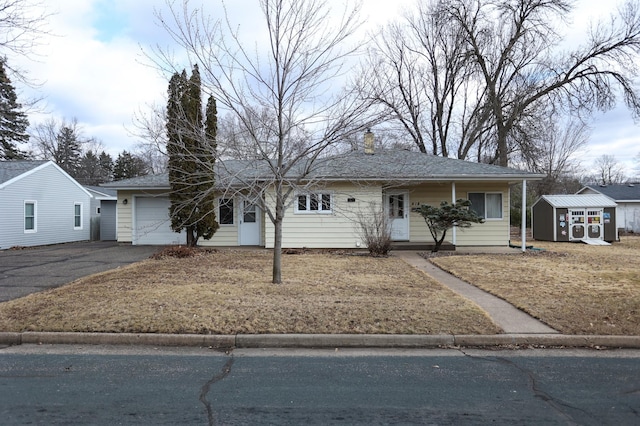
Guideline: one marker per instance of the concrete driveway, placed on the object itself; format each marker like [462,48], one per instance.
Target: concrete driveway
[38,268]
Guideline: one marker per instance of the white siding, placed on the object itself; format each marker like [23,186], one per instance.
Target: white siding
[55,194]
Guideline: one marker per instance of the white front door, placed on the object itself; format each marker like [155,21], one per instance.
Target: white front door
[249,224]
[398,213]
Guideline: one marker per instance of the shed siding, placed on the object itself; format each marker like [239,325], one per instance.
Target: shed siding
[542,221]
[55,195]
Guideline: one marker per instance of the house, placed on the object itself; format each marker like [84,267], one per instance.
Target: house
[41,204]
[103,213]
[326,205]
[627,197]
[574,217]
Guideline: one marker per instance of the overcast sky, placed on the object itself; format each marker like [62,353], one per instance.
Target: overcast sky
[93,68]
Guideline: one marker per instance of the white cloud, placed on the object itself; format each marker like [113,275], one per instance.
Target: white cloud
[94,69]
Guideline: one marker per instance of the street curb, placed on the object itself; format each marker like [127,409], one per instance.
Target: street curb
[414,341]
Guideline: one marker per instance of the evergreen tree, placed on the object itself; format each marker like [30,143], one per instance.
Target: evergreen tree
[440,219]
[13,121]
[191,158]
[94,169]
[68,150]
[128,166]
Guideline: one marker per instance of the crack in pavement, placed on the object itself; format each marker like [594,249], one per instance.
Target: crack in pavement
[559,406]
[204,391]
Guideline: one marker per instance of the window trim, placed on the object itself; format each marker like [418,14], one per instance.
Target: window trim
[233,211]
[35,217]
[75,216]
[319,195]
[484,196]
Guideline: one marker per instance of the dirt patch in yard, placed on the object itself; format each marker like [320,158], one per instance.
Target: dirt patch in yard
[575,288]
[228,292]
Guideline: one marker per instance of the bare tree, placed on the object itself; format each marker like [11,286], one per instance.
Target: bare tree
[608,171]
[419,72]
[501,62]
[553,142]
[291,81]
[22,24]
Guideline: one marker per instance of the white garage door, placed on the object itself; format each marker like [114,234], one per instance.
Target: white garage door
[152,224]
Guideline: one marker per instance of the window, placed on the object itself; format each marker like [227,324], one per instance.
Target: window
[77,216]
[225,211]
[314,203]
[486,205]
[30,216]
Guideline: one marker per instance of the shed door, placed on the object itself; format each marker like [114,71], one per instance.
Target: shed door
[576,225]
[594,224]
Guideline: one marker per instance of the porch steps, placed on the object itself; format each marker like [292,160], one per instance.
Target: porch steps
[594,242]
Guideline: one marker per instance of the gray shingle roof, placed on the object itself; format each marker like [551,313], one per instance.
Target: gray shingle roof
[627,192]
[388,165]
[14,168]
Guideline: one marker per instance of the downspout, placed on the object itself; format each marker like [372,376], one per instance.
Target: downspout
[453,201]
[524,215]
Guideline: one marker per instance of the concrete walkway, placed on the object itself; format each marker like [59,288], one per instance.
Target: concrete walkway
[505,315]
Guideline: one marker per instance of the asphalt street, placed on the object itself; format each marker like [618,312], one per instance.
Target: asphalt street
[67,384]
[34,269]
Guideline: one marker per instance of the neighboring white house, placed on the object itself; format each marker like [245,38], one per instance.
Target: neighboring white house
[41,204]
[336,191]
[627,197]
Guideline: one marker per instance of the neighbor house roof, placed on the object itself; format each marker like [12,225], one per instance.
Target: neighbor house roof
[578,201]
[12,169]
[102,193]
[388,165]
[619,193]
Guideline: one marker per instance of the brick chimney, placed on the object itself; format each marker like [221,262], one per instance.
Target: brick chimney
[368,142]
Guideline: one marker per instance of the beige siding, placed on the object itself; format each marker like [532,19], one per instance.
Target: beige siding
[226,235]
[493,232]
[338,229]
[431,194]
[124,216]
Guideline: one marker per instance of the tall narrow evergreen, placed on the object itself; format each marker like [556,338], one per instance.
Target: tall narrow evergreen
[13,121]
[191,160]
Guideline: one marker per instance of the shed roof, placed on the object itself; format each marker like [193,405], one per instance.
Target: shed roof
[385,165]
[627,192]
[578,201]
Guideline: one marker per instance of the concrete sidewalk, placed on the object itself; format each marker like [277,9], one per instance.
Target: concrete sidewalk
[505,315]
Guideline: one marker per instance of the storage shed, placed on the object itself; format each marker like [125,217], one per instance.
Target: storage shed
[577,217]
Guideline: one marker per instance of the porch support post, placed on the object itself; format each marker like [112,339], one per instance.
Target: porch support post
[453,200]
[524,215]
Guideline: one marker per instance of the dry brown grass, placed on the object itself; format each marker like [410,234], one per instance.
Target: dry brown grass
[575,288]
[229,292]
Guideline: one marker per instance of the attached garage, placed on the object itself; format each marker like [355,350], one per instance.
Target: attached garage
[574,218]
[151,222]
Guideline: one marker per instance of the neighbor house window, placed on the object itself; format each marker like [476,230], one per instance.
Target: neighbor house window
[487,205]
[30,216]
[225,211]
[77,216]
[313,203]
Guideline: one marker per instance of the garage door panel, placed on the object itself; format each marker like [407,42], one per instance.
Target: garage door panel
[152,224]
